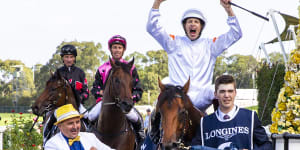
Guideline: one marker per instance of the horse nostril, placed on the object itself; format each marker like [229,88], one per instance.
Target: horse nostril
[170,146]
[125,106]
[34,109]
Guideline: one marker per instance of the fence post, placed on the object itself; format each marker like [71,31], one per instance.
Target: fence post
[2,129]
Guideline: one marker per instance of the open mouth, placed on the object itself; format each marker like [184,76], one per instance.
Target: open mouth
[117,54]
[193,31]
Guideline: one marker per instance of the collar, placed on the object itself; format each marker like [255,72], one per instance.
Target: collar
[71,141]
[231,113]
[69,68]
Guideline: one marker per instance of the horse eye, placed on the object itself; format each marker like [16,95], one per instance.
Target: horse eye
[182,112]
[52,90]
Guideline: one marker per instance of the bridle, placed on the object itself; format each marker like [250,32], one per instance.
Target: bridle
[55,100]
[180,144]
[117,101]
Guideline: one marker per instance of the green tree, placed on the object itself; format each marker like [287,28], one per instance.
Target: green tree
[140,60]
[220,66]
[276,57]
[268,89]
[242,67]
[156,65]
[16,83]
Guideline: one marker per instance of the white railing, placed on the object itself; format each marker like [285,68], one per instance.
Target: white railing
[2,129]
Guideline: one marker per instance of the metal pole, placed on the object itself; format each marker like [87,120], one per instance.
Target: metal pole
[33,72]
[292,31]
[262,46]
[148,97]
[271,11]
[253,79]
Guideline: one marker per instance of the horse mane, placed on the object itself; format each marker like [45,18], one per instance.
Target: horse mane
[169,93]
[53,77]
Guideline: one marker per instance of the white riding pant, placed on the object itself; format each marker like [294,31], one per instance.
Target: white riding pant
[95,112]
[82,109]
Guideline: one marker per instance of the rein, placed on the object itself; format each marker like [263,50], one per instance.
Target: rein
[37,118]
[114,134]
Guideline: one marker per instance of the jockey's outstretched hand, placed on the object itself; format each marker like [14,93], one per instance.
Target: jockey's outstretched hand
[157,3]
[227,7]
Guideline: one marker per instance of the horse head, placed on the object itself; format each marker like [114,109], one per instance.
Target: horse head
[179,118]
[120,85]
[58,92]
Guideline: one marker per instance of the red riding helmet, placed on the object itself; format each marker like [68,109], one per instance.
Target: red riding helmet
[117,39]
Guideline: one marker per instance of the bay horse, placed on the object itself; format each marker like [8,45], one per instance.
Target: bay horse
[179,117]
[57,92]
[113,127]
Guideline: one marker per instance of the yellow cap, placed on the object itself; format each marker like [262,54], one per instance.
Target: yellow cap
[66,112]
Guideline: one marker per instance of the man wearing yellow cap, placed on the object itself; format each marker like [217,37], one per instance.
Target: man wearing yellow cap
[70,137]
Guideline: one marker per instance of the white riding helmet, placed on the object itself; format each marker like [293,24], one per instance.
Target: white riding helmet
[193,13]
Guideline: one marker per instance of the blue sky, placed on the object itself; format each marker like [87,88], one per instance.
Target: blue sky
[30,30]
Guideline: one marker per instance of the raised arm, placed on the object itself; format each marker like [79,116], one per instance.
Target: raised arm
[224,41]
[227,7]
[156,29]
[157,3]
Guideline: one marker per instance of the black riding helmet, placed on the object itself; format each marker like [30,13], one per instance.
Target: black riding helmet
[68,50]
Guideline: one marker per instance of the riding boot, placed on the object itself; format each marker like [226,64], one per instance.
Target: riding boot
[139,131]
[155,127]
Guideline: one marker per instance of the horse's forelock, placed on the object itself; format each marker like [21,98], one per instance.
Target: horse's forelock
[124,66]
[169,94]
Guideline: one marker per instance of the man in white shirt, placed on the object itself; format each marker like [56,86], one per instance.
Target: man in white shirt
[191,56]
[70,137]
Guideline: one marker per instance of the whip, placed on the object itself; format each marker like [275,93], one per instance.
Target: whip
[254,13]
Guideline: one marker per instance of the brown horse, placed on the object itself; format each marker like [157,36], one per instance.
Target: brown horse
[179,118]
[113,126]
[58,92]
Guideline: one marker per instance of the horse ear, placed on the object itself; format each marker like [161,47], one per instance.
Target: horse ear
[161,85]
[186,86]
[59,76]
[112,63]
[51,73]
[131,63]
